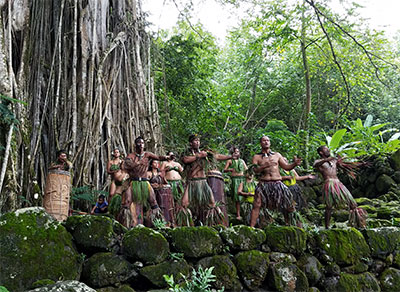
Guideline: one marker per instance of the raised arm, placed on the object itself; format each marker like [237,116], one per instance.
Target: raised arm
[287,166]
[319,162]
[222,157]
[227,165]
[192,158]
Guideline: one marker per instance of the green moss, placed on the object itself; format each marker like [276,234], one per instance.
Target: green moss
[354,283]
[92,233]
[345,246]
[253,267]
[390,280]
[104,269]
[287,277]
[383,241]
[224,270]
[287,239]
[312,268]
[35,247]
[145,244]
[196,242]
[242,237]
[42,283]
[122,288]
[155,274]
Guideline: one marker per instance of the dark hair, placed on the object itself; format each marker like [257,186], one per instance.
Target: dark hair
[193,136]
[102,196]
[319,149]
[59,152]
[137,139]
[233,148]
[263,137]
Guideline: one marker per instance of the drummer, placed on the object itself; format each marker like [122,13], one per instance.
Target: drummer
[173,172]
[62,163]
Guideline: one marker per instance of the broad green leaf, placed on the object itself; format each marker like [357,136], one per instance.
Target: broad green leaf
[336,138]
[368,121]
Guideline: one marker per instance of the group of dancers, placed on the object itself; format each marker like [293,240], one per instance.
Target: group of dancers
[146,187]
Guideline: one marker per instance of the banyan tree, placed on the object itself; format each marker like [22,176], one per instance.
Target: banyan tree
[74,75]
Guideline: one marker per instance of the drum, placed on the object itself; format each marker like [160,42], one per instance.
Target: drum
[165,201]
[216,181]
[57,193]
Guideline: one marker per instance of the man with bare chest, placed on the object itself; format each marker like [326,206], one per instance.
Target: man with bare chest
[271,192]
[140,192]
[334,192]
[198,195]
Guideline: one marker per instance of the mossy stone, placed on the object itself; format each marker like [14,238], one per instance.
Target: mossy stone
[196,242]
[396,259]
[383,241]
[242,237]
[34,247]
[42,283]
[352,283]
[146,245]
[384,183]
[155,273]
[65,286]
[312,268]
[277,257]
[287,277]
[105,269]
[364,201]
[224,271]
[309,193]
[345,246]
[395,160]
[92,233]
[252,266]
[122,288]
[376,223]
[287,239]
[390,280]
[396,176]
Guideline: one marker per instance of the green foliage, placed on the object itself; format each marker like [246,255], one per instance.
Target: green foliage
[159,223]
[199,282]
[364,139]
[86,193]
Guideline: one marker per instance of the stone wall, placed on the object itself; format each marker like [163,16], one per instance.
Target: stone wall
[99,252]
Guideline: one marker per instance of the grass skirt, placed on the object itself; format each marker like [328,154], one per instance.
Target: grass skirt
[235,182]
[177,189]
[141,192]
[200,198]
[337,195]
[275,196]
[298,197]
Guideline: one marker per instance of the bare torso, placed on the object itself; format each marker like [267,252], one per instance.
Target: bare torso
[170,173]
[271,164]
[136,165]
[328,169]
[229,165]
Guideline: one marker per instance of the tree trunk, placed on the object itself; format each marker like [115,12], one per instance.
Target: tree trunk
[308,85]
[83,68]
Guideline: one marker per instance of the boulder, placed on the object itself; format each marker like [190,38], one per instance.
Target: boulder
[309,193]
[345,246]
[122,288]
[155,273]
[396,260]
[287,239]
[395,160]
[68,285]
[106,269]
[243,237]
[287,277]
[252,266]
[352,283]
[195,242]
[277,257]
[384,183]
[396,176]
[93,234]
[224,271]
[312,268]
[382,241]
[34,247]
[146,245]
[390,280]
